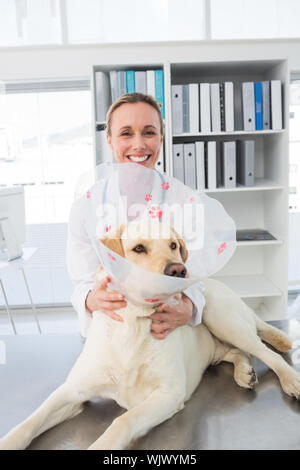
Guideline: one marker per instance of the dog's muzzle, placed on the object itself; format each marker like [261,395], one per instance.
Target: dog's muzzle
[175,270]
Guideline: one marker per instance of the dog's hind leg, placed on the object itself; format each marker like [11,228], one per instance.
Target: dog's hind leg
[248,341]
[271,335]
[62,404]
[243,373]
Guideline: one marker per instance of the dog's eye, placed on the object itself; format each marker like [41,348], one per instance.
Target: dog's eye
[173,246]
[139,249]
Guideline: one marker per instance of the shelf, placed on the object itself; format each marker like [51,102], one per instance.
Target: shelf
[250,286]
[234,133]
[260,184]
[259,243]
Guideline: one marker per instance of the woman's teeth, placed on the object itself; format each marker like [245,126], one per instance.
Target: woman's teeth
[138,159]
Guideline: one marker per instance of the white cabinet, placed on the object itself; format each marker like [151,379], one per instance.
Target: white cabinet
[258,271]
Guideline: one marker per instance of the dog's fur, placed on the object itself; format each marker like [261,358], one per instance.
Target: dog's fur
[153,378]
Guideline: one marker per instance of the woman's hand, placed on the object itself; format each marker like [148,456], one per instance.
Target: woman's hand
[107,302]
[169,317]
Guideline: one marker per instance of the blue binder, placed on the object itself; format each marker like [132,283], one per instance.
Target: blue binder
[258,106]
[130,81]
[159,90]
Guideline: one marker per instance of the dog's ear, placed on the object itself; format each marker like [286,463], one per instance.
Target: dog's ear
[183,249]
[114,242]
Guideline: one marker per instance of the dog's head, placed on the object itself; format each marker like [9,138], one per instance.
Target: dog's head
[160,254]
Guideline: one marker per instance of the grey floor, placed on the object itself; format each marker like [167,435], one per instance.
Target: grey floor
[63,320]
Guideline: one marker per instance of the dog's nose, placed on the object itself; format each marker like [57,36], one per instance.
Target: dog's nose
[175,270]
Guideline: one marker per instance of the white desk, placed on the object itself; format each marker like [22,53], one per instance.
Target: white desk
[18,263]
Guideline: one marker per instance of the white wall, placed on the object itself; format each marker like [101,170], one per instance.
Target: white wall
[44,62]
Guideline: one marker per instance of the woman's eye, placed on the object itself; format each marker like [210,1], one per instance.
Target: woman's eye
[125,133]
[150,132]
[139,249]
[173,246]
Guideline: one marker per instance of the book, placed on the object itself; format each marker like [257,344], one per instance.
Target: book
[248,106]
[266,105]
[215,107]
[177,118]
[222,106]
[114,85]
[194,107]
[200,165]
[185,109]
[141,82]
[178,161]
[228,164]
[245,162]
[211,165]
[229,106]
[122,82]
[258,106]
[151,83]
[103,95]
[276,104]
[130,81]
[159,90]
[189,165]
[160,163]
[205,120]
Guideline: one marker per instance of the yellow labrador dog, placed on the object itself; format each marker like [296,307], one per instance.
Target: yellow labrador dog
[153,378]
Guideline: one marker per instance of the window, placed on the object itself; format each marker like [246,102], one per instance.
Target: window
[45,145]
[24,22]
[241,19]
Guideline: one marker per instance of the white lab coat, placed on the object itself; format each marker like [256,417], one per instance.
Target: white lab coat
[83,263]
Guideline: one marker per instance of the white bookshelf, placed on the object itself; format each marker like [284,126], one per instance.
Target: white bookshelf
[258,271]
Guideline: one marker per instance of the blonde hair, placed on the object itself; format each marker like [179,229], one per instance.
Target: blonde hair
[133,98]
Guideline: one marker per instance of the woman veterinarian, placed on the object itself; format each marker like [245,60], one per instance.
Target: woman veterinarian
[135,132]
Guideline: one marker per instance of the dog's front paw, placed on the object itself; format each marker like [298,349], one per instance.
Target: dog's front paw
[245,376]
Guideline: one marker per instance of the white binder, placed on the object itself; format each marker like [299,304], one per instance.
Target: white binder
[104,154]
[205,108]
[189,165]
[228,164]
[122,82]
[229,107]
[151,82]
[140,82]
[215,107]
[194,107]
[177,119]
[185,109]
[200,168]
[178,162]
[245,162]
[114,85]
[160,163]
[211,165]
[266,105]
[276,104]
[248,106]
[103,96]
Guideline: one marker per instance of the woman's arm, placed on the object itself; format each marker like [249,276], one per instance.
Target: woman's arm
[82,265]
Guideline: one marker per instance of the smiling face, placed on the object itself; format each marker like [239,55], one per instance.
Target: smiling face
[135,134]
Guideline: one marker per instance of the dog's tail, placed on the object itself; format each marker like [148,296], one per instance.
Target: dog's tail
[272,335]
